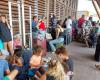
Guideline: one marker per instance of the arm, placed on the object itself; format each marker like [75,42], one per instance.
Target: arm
[6,68]
[8,24]
[12,75]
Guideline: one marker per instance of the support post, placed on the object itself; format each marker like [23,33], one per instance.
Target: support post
[30,26]
[36,8]
[10,19]
[19,17]
[23,24]
[47,10]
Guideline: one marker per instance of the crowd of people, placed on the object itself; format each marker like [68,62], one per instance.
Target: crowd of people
[23,64]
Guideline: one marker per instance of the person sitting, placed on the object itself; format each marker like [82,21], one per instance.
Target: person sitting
[4,67]
[13,74]
[55,71]
[17,59]
[66,60]
[36,69]
[59,36]
[17,41]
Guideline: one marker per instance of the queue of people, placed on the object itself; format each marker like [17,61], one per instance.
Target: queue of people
[23,64]
[13,64]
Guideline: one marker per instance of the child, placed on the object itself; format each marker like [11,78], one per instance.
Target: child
[55,71]
[17,42]
[36,62]
[66,60]
[4,68]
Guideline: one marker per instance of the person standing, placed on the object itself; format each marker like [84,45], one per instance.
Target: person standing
[81,21]
[5,34]
[74,28]
[69,30]
[53,21]
[34,27]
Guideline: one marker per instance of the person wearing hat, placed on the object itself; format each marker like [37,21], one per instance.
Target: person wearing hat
[4,68]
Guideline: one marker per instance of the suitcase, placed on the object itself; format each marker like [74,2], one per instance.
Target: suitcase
[41,43]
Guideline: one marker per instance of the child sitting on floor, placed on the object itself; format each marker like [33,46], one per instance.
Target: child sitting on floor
[65,59]
[36,68]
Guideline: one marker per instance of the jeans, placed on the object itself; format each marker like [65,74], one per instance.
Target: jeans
[69,36]
[54,42]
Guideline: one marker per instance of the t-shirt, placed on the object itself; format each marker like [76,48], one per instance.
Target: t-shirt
[1,44]
[80,22]
[6,78]
[42,26]
[69,24]
[69,62]
[3,67]
[98,31]
[34,24]
[5,33]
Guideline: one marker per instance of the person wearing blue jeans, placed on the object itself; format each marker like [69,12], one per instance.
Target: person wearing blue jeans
[59,36]
[54,42]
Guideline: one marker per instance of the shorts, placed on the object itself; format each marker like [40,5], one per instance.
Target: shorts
[32,72]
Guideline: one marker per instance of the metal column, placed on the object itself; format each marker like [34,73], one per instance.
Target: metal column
[10,18]
[19,17]
[30,26]
[23,24]
[36,8]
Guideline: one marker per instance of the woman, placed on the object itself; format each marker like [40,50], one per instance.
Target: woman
[59,36]
[5,34]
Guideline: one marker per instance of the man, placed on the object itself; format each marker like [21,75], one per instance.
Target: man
[34,27]
[81,21]
[69,29]
[34,22]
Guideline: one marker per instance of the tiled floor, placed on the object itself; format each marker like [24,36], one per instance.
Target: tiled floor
[84,64]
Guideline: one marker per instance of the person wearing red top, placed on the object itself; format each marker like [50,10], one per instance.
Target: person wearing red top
[81,21]
[42,25]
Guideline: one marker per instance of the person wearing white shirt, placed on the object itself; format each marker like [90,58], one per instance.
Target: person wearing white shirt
[69,29]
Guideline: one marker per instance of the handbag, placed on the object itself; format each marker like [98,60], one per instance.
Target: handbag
[48,36]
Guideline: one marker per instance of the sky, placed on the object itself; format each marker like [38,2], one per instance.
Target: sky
[86,5]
